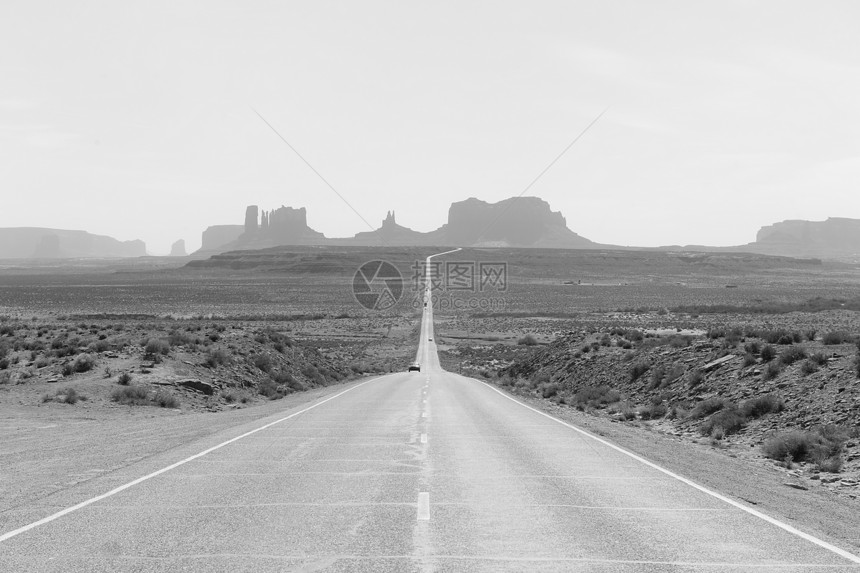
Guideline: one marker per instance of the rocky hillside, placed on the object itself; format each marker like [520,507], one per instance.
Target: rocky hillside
[188,364]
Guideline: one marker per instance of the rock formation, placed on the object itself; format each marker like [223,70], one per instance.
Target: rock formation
[837,237]
[514,222]
[37,242]
[251,214]
[178,249]
[217,236]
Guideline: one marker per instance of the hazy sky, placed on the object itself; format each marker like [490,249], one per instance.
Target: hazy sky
[135,120]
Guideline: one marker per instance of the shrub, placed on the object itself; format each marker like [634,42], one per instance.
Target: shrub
[638,369]
[233,396]
[83,363]
[634,335]
[792,354]
[99,346]
[624,409]
[708,406]
[818,358]
[673,374]
[768,353]
[176,338]
[822,446]
[596,397]
[130,396]
[65,396]
[749,360]
[653,411]
[216,357]
[657,376]
[715,333]
[694,378]
[728,421]
[752,347]
[809,335]
[528,340]
[314,375]
[288,380]
[680,341]
[156,347]
[271,390]
[548,389]
[761,405]
[837,337]
[124,379]
[165,400]
[808,367]
[263,362]
[771,371]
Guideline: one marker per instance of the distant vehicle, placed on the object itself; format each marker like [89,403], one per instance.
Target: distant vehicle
[430,339]
[415,367]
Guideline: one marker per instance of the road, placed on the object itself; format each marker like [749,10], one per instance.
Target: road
[420,471]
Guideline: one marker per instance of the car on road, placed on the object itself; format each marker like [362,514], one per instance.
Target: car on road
[415,367]
[430,339]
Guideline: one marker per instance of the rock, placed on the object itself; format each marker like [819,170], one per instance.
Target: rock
[848,483]
[717,363]
[796,485]
[198,385]
[178,249]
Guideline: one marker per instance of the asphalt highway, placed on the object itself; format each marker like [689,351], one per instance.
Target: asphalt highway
[417,471]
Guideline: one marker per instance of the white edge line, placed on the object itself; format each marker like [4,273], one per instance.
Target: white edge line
[133,483]
[773,521]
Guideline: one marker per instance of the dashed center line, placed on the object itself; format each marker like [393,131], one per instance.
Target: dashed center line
[423,438]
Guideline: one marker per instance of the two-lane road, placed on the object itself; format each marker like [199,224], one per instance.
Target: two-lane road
[421,471]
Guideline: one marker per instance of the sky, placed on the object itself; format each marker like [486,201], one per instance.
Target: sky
[137,120]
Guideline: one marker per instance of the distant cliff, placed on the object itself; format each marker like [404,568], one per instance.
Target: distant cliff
[832,239]
[37,242]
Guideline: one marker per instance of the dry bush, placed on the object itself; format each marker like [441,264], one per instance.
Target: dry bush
[792,354]
[638,369]
[708,406]
[761,405]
